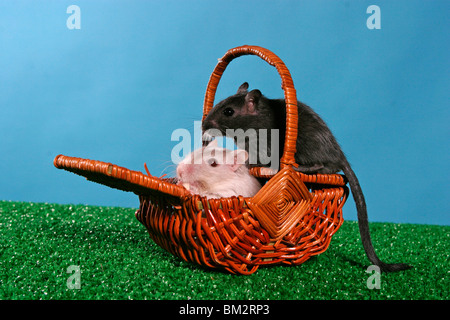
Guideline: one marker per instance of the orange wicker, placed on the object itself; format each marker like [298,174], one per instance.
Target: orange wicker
[291,218]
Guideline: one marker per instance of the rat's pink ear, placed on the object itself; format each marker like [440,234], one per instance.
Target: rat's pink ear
[243,88]
[240,157]
[251,101]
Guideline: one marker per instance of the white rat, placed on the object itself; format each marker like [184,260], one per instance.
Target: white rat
[215,172]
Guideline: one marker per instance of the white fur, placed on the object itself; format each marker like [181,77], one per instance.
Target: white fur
[230,177]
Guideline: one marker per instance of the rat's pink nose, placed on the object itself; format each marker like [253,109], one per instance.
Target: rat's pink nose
[183,169]
[180,169]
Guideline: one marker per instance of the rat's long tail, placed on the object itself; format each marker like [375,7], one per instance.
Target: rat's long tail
[363,223]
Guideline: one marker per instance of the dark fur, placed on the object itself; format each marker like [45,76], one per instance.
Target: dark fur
[317,149]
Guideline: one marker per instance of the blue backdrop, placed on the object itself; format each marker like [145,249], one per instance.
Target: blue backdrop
[116,88]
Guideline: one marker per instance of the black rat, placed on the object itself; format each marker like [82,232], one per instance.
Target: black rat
[317,149]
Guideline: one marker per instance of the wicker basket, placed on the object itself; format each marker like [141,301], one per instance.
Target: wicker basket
[291,218]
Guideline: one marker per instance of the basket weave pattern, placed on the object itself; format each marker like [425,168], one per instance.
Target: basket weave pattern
[291,218]
[225,234]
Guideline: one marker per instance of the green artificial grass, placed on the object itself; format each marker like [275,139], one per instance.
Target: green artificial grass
[118,260]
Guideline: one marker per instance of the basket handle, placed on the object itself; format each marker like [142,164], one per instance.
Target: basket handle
[287,85]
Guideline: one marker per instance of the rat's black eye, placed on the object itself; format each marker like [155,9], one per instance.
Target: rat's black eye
[228,112]
[213,163]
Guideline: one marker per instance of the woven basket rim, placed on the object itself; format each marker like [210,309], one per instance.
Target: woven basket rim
[124,179]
